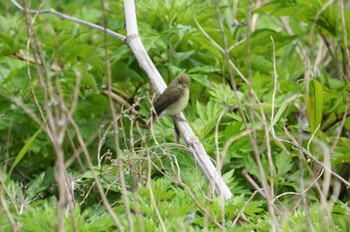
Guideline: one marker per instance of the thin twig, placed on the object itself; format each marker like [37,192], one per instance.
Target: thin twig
[72,19]
[308,154]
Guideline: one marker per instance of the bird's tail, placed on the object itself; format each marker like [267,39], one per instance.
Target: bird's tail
[151,120]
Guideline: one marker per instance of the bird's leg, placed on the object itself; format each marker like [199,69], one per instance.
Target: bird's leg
[151,120]
[176,133]
[177,118]
[176,129]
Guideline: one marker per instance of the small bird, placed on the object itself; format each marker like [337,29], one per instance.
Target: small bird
[173,100]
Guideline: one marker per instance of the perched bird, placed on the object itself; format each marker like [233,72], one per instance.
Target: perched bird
[173,100]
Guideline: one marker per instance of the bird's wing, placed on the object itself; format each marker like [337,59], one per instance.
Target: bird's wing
[168,97]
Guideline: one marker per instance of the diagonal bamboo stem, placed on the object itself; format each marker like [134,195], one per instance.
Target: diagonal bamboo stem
[199,154]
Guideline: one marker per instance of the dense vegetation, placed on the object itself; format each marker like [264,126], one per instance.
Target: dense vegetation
[270,85]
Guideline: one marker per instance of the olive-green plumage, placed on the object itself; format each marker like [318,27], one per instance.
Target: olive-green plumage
[173,100]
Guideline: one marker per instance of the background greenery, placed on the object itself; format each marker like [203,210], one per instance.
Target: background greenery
[283,100]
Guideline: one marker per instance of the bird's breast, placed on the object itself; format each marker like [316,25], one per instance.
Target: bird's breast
[180,104]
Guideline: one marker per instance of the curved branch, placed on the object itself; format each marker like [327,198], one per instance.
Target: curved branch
[70,18]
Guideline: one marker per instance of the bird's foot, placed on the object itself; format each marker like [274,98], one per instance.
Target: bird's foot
[178,119]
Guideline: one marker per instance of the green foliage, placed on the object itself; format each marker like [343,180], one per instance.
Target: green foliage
[23,151]
[44,219]
[282,97]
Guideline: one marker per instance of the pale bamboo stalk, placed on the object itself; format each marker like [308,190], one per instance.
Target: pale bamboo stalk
[199,154]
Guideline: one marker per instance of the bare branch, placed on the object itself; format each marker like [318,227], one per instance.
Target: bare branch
[70,18]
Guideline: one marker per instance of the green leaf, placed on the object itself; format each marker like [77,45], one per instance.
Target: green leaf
[318,96]
[183,56]
[208,115]
[23,151]
[283,108]
[121,72]
[315,106]
[261,64]
[6,43]
[283,164]
[88,80]
[204,69]
[227,177]
[223,94]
